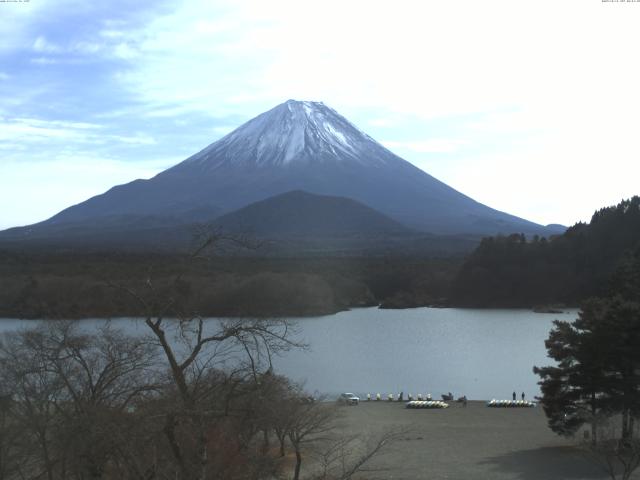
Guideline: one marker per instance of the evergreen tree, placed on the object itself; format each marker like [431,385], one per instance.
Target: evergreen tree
[598,360]
[621,335]
[572,391]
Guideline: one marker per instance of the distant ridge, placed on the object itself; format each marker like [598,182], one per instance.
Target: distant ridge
[302,214]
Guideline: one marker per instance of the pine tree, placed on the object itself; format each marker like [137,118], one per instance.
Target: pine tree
[598,360]
[572,391]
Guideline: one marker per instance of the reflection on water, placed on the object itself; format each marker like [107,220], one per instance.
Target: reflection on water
[481,353]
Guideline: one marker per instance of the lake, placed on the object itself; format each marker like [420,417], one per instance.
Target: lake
[483,354]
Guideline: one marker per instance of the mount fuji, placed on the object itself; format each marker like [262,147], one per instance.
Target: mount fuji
[296,146]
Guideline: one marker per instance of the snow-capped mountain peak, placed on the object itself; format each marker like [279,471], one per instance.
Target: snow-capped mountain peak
[299,146]
[291,133]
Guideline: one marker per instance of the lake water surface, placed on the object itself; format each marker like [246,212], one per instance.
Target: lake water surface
[481,353]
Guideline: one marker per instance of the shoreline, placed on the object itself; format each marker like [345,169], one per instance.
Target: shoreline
[320,314]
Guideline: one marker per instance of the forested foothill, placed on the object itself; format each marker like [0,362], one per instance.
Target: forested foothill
[515,271]
[503,271]
[41,284]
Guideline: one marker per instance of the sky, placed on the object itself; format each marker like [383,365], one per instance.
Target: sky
[530,107]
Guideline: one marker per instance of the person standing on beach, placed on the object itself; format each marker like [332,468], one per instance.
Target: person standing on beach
[464,401]
[522,396]
[514,395]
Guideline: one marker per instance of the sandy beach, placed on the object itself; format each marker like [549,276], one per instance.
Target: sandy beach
[476,442]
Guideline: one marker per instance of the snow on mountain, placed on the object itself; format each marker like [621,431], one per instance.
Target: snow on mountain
[292,132]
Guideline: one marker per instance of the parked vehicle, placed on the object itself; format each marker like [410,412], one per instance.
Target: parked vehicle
[348,399]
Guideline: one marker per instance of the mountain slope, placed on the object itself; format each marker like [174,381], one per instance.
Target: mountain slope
[302,214]
[300,146]
[292,224]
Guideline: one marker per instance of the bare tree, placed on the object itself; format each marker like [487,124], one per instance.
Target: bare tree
[313,428]
[72,395]
[193,346]
[346,456]
[279,395]
[309,422]
[36,393]
[11,436]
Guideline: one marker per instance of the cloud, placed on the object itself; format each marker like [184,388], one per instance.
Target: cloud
[138,139]
[87,48]
[125,51]
[42,45]
[224,129]
[435,145]
[15,23]
[381,122]
[422,59]
[110,33]
[45,61]
[111,46]
[33,131]
[28,130]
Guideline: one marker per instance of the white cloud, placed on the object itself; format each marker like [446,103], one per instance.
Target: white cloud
[434,145]
[30,131]
[45,61]
[111,33]
[380,122]
[86,48]
[27,130]
[14,23]
[125,51]
[111,45]
[138,139]
[42,45]
[224,129]
[428,59]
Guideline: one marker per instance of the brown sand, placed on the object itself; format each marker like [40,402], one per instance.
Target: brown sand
[476,442]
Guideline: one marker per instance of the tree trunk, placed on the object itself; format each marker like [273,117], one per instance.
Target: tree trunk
[625,424]
[282,437]
[45,452]
[202,447]
[296,473]
[170,434]
[594,429]
[202,453]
